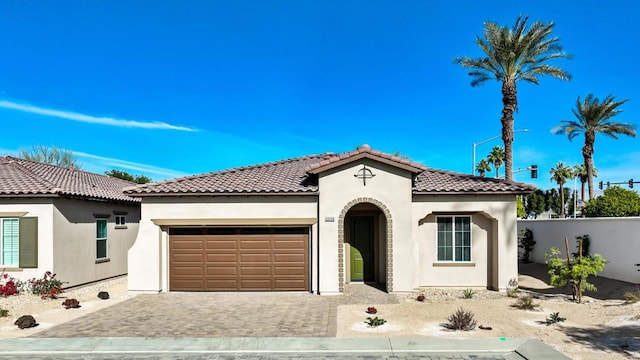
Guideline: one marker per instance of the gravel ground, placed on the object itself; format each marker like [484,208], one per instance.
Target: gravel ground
[50,312]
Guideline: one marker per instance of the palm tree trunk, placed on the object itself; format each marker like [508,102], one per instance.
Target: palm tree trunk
[587,154]
[561,201]
[581,189]
[510,105]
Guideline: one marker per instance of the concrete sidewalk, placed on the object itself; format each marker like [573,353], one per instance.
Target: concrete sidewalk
[143,348]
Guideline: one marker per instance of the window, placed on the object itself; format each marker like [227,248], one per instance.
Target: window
[9,242]
[454,238]
[101,239]
[121,220]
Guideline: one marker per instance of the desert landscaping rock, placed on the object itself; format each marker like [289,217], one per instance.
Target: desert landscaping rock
[25,322]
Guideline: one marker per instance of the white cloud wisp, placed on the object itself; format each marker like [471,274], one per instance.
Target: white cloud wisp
[144,168]
[74,116]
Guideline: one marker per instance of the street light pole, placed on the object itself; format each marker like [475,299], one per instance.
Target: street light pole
[473,165]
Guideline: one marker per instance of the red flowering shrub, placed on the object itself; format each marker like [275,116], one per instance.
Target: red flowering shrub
[8,285]
[47,287]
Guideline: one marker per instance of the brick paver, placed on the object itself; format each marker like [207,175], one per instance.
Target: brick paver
[253,314]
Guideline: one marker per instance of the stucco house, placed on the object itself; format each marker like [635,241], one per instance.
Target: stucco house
[317,222]
[74,223]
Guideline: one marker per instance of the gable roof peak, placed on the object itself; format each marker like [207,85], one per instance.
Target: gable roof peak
[365,151]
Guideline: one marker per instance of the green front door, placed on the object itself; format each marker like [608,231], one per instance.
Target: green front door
[361,255]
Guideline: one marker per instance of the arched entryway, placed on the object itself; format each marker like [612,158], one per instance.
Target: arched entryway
[365,244]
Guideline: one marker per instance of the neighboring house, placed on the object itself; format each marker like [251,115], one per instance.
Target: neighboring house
[317,222]
[70,222]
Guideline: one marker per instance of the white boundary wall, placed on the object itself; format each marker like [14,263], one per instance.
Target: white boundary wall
[616,239]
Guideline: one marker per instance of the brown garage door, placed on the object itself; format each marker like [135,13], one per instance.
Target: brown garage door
[238,259]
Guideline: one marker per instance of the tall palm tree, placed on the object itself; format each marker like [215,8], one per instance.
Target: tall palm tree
[496,157]
[593,117]
[511,55]
[580,171]
[483,166]
[560,174]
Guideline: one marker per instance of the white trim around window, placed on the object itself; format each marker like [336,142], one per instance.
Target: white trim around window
[453,239]
[9,242]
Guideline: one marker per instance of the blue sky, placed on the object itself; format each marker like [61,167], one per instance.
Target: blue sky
[172,88]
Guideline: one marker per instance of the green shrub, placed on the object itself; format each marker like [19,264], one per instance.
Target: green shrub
[461,320]
[616,202]
[47,287]
[632,297]
[376,321]
[554,318]
[468,293]
[574,272]
[525,302]
[526,243]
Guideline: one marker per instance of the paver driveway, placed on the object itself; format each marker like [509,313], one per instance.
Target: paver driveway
[267,314]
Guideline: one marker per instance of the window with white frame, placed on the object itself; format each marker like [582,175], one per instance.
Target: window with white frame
[9,242]
[454,238]
[101,239]
[121,220]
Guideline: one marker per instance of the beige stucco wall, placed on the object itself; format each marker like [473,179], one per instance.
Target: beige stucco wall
[74,246]
[148,264]
[390,186]
[42,208]
[494,240]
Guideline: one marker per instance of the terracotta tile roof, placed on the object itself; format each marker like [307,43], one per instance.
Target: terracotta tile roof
[365,151]
[432,181]
[19,177]
[281,177]
[297,176]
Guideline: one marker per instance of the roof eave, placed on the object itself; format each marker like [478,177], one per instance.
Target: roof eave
[176,194]
[509,192]
[366,155]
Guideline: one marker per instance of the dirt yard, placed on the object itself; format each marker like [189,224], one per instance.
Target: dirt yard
[603,327]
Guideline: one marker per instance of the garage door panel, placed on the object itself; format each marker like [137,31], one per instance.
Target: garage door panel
[253,260]
[255,284]
[290,258]
[215,271]
[294,244]
[188,258]
[222,244]
[197,245]
[255,271]
[288,285]
[256,244]
[222,284]
[289,270]
[189,271]
[222,258]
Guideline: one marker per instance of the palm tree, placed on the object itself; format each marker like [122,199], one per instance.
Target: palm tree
[560,174]
[496,157]
[483,166]
[580,171]
[513,54]
[593,117]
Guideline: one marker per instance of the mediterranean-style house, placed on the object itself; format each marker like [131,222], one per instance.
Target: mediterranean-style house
[315,223]
[74,223]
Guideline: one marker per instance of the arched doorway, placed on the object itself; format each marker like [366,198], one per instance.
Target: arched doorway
[365,251]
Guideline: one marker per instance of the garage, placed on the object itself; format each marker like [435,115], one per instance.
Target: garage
[239,259]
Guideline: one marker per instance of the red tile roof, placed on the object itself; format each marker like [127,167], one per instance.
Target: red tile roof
[24,178]
[281,177]
[298,176]
[365,151]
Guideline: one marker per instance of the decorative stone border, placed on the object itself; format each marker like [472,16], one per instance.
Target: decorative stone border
[387,214]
